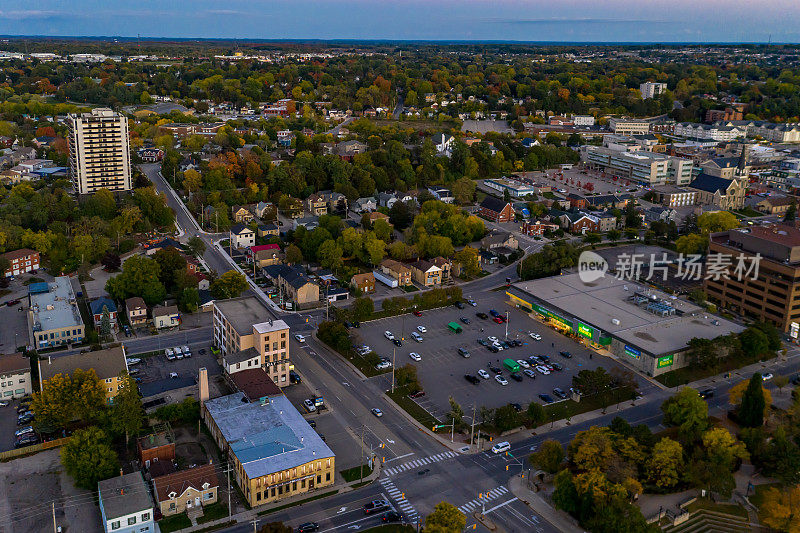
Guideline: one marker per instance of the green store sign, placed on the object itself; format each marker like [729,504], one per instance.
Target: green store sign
[666,360]
[551,315]
[586,331]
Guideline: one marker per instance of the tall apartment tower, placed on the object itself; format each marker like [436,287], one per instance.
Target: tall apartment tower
[99,151]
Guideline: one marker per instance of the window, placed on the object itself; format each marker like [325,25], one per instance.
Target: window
[115,525]
[328,476]
[131,520]
[145,517]
[210,495]
[258,496]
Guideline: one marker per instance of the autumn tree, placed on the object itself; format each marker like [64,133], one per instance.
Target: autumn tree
[293,255]
[468,259]
[549,456]
[229,285]
[66,397]
[688,411]
[127,414]
[445,518]
[665,464]
[780,508]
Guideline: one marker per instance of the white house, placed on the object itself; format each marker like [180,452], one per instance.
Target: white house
[443,143]
[242,236]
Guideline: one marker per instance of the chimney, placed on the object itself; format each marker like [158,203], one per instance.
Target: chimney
[202,385]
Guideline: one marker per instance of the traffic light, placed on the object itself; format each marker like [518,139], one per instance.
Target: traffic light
[506,468]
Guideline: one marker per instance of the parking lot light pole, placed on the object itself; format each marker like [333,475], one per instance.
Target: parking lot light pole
[394,358]
[506,325]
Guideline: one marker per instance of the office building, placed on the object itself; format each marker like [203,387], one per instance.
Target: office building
[99,151]
[249,338]
[53,316]
[125,504]
[652,89]
[273,451]
[673,196]
[629,126]
[774,296]
[648,168]
[646,328]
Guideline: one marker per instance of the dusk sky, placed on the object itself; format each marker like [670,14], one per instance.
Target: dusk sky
[518,20]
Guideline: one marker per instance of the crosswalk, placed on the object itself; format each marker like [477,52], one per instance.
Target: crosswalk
[410,514]
[488,496]
[419,462]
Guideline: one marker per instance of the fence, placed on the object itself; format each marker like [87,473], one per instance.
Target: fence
[27,450]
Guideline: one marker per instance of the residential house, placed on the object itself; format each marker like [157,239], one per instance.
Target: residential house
[606,221]
[776,205]
[386,199]
[150,249]
[108,364]
[242,214]
[316,205]
[426,273]
[364,205]
[268,230]
[136,310]
[397,270]
[166,316]
[242,236]
[576,201]
[265,254]
[660,214]
[53,315]
[186,489]
[294,285]
[443,143]
[125,504]
[445,265]
[719,192]
[347,149]
[98,305]
[607,201]
[580,223]
[285,138]
[264,210]
[377,215]
[310,223]
[15,376]
[497,239]
[537,228]
[496,210]
[364,282]
[151,154]
[442,194]
[21,261]
[158,446]
[337,202]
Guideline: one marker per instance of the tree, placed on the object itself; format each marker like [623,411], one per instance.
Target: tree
[189,299]
[691,244]
[105,323]
[591,449]
[110,261]
[445,518]
[780,508]
[791,213]
[229,285]
[463,190]
[688,411]
[456,413]
[66,397]
[171,262]
[549,456]
[401,214]
[383,230]
[363,308]
[592,382]
[406,377]
[126,411]
[506,418]
[192,181]
[329,255]
[712,222]
[753,407]
[293,255]
[754,342]
[536,414]
[196,246]
[665,464]
[780,381]
[139,277]
[88,458]
[565,494]
[468,259]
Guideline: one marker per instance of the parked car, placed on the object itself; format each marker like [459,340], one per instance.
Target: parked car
[501,380]
[546,398]
[557,367]
[459,304]
[4,404]
[523,363]
[294,377]
[494,349]
[565,354]
[542,369]
[482,316]
[483,373]
[309,405]
[186,351]
[472,379]
[397,342]
[415,356]
[536,336]
[133,371]
[133,360]
[417,313]
[463,353]
[498,320]
[483,342]
[388,334]
[422,329]
[560,393]
[464,319]
[23,431]
[516,376]
[416,336]
[494,313]
[472,302]
[12,302]
[530,373]
[517,407]
[173,375]
[494,369]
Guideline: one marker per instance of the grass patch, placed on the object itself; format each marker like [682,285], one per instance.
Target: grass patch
[726,508]
[355,473]
[359,485]
[570,408]
[301,502]
[549,194]
[393,528]
[32,280]
[174,523]
[749,212]
[212,512]
[411,407]
[409,288]
[687,374]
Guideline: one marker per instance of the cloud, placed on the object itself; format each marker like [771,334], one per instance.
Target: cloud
[565,21]
[29,14]
[223,12]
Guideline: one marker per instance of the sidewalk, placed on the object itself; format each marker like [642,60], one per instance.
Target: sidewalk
[558,519]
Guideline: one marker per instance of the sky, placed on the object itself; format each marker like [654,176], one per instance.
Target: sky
[469,20]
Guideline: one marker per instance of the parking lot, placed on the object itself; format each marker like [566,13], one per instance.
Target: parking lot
[154,371]
[441,370]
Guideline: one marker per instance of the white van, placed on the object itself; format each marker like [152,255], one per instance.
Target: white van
[501,447]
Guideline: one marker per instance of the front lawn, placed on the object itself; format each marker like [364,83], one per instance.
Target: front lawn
[356,473]
[212,512]
[174,523]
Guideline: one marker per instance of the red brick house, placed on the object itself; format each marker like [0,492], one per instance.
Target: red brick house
[496,210]
[21,261]
[576,201]
[364,282]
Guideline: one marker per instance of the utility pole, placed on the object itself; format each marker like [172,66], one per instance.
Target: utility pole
[228,471]
[255,525]
[55,528]
[361,467]
[453,430]
[506,325]
[472,430]
[394,359]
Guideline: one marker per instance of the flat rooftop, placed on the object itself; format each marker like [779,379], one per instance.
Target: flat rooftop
[266,437]
[243,312]
[56,308]
[608,298]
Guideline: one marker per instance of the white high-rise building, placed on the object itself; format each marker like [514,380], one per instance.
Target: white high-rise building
[99,151]
[651,89]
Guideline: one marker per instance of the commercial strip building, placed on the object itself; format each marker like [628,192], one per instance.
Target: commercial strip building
[15,376]
[774,296]
[99,151]
[629,126]
[249,338]
[645,328]
[648,168]
[516,189]
[53,316]
[273,451]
